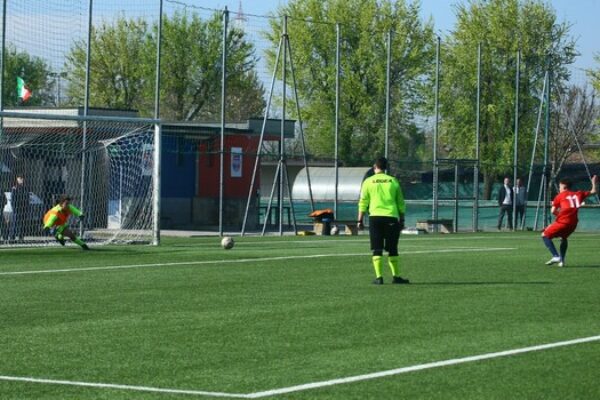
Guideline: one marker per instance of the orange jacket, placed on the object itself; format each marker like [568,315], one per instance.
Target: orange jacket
[57,216]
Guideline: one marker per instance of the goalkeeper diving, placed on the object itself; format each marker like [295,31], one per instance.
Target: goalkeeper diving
[57,218]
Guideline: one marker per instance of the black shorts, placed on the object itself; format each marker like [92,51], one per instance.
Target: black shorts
[384,233]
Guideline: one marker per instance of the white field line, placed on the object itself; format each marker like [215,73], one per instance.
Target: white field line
[419,367]
[308,386]
[121,387]
[246,260]
[403,238]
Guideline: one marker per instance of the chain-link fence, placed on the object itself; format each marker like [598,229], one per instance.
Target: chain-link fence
[250,104]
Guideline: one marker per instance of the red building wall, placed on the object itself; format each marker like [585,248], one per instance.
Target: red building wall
[243,164]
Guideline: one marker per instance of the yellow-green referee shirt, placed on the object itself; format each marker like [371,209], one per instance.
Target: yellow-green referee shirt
[382,196]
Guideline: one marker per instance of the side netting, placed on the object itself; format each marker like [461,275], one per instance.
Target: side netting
[105,165]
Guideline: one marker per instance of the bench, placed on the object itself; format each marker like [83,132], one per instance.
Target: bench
[428,225]
[351,227]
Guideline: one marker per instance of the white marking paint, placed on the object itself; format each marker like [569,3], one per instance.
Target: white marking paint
[308,386]
[420,367]
[246,260]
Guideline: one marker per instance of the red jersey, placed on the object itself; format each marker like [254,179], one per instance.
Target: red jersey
[568,204]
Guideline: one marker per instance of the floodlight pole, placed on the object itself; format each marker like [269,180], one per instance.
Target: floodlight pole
[2,66]
[282,134]
[260,144]
[387,93]
[223,110]
[337,118]
[477,145]
[301,126]
[434,213]
[516,140]
[535,140]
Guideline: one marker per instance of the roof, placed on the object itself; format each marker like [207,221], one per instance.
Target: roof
[195,129]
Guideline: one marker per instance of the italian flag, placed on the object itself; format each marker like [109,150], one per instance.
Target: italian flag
[23,91]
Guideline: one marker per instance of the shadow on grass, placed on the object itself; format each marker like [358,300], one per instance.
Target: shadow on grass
[581,266]
[478,283]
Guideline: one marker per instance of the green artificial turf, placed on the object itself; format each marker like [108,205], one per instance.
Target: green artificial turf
[296,310]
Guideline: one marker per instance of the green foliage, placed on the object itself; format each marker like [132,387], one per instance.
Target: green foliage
[33,70]
[364,26]
[121,69]
[595,75]
[502,27]
[124,64]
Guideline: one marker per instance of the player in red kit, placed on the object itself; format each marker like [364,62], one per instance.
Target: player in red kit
[565,206]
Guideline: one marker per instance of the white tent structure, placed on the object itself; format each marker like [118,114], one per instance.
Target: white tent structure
[322,180]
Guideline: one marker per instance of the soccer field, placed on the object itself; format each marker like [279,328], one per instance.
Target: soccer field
[298,318]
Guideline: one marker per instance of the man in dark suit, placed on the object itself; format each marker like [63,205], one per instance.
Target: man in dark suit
[20,206]
[505,202]
[3,224]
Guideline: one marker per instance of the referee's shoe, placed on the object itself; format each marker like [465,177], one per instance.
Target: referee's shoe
[399,280]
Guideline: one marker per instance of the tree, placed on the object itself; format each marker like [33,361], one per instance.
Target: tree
[573,125]
[364,27]
[34,71]
[595,74]
[124,60]
[502,27]
[120,66]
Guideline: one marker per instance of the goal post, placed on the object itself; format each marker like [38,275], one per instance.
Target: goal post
[109,166]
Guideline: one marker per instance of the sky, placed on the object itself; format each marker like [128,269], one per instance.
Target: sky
[584,16]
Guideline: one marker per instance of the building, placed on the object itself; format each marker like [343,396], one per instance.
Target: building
[113,180]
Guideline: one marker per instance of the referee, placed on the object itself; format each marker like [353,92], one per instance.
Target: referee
[382,197]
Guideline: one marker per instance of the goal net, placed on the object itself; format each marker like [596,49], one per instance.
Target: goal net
[105,165]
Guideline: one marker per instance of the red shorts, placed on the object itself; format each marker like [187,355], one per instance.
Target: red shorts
[559,230]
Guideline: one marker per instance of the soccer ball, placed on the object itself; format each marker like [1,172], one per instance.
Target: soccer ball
[227,243]
[335,230]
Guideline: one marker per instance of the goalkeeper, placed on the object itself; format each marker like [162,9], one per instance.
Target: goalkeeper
[55,222]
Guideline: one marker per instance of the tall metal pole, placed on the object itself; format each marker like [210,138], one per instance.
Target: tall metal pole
[156,192]
[260,142]
[301,126]
[86,104]
[337,117]
[2,56]
[223,110]
[547,186]
[387,92]
[282,138]
[434,213]
[477,145]
[535,140]
[516,143]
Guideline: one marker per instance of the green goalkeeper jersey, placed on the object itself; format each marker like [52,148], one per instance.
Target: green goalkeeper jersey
[382,196]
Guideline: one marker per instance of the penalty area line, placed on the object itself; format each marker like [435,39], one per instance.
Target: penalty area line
[121,387]
[419,367]
[306,386]
[246,260]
